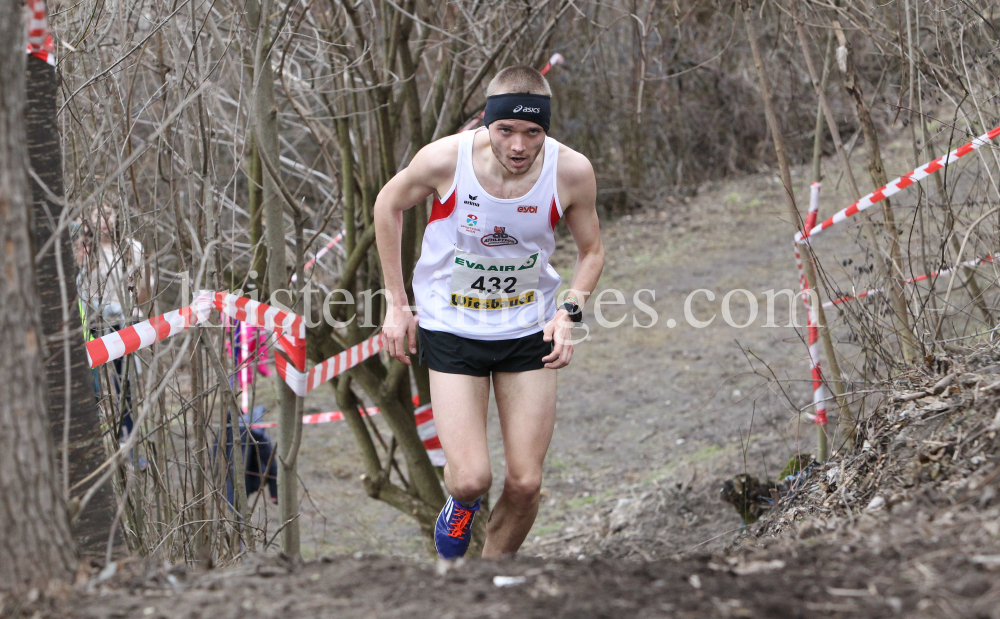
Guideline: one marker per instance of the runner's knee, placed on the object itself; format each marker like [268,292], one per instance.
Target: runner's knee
[469,486]
[523,489]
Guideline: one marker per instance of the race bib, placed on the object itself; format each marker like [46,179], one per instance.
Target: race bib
[478,282]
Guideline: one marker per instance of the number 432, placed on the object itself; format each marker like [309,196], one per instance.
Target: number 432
[495,284]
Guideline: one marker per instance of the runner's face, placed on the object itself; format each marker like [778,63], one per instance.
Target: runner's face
[516,144]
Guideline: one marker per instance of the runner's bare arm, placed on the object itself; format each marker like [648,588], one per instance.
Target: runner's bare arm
[432,170]
[578,195]
[577,175]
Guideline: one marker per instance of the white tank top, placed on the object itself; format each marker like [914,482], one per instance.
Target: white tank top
[484,268]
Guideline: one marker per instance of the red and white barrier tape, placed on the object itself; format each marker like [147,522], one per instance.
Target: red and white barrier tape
[810,229]
[39,40]
[289,327]
[912,280]
[322,252]
[319,418]
[138,336]
[555,59]
[819,389]
[303,382]
[245,373]
[256,313]
[424,416]
[899,184]
[428,434]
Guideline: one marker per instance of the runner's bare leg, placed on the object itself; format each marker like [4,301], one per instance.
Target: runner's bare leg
[460,405]
[527,406]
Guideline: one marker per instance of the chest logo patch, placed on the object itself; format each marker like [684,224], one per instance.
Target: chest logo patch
[527,209]
[498,238]
[473,225]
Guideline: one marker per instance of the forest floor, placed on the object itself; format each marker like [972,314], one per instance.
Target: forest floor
[651,422]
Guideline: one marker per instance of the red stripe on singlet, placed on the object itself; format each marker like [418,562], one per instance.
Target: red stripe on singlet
[553,214]
[443,210]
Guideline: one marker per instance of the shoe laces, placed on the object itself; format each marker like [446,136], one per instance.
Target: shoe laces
[460,522]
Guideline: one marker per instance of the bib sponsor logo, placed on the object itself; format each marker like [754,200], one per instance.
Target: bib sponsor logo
[465,262]
[472,201]
[530,262]
[527,110]
[470,302]
[498,238]
[527,209]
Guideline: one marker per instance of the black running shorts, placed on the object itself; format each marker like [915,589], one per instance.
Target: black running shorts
[453,354]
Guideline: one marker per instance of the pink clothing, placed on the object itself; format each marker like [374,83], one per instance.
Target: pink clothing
[256,352]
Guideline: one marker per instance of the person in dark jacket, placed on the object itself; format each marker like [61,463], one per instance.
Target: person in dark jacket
[260,457]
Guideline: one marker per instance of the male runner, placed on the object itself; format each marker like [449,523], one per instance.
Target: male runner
[486,296]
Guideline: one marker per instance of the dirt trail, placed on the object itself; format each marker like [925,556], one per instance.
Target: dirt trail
[378,586]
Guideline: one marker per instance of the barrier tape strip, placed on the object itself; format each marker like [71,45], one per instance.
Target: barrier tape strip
[819,389]
[319,418]
[424,416]
[302,383]
[39,40]
[898,185]
[913,280]
[289,327]
[810,229]
[141,335]
[245,373]
[322,252]
[257,314]
[554,59]
[428,434]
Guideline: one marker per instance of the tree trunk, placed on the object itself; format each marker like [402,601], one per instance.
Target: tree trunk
[85,449]
[36,545]
[265,131]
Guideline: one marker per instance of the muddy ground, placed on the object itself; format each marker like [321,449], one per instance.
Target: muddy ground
[906,525]
[651,421]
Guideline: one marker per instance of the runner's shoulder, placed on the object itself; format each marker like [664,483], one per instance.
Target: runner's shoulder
[574,167]
[575,178]
[438,159]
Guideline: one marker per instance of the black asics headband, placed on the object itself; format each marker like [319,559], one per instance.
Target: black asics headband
[518,106]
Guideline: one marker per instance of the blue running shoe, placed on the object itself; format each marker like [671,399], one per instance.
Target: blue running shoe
[453,530]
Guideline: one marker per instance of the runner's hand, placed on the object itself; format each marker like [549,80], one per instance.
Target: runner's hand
[560,331]
[399,327]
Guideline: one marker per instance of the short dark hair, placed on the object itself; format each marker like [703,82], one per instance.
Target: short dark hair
[519,78]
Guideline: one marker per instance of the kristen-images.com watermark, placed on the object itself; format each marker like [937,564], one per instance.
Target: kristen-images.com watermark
[608,308]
